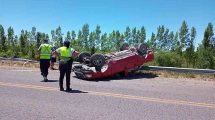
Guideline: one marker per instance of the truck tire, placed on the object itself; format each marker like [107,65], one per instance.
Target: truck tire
[124,46]
[97,60]
[142,49]
[82,56]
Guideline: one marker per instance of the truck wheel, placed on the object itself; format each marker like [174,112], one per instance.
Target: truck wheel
[124,46]
[82,56]
[97,60]
[142,49]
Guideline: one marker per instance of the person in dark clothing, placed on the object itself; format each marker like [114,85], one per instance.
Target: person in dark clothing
[66,54]
[53,58]
[44,53]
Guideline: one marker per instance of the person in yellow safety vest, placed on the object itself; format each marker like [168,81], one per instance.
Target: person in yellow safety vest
[66,54]
[45,51]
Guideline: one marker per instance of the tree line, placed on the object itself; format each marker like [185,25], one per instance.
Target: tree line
[176,49]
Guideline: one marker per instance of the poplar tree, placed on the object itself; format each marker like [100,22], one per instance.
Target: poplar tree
[184,36]
[10,37]
[85,35]
[142,35]
[2,39]
[97,37]
[208,35]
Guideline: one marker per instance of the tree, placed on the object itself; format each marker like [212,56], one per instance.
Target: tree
[164,38]
[59,37]
[184,35]
[134,36]
[104,43]
[47,36]
[33,35]
[111,41]
[207,41]
[53,38]
[153,41]
[206,52]
[192,37]
[16,47]
[16,40]
[164,43]
[10,42]
[10,37]
[142,35]
[92,42]
[23,43]
[39,39]
[2,39]
[189,53]
[68,36]
[97,37]
[73,35]
[205,58]
[175,45]
[173,48]
[73,38]
[192,46]
[117,40]
[159,37]
[138,38]
[128,35]
[79,40]
[170,43]
[85,34]
[28,48]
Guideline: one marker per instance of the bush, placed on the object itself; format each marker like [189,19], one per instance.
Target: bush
[3,54]
[168,59]
[10,54]
[206,59]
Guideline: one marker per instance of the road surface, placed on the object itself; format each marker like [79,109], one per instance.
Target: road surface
[140,97]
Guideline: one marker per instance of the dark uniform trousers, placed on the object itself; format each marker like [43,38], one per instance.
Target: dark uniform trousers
[65,68]
[44,66]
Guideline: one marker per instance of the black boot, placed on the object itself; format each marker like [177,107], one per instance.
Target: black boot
[61,89]
[68,89]
[45,78]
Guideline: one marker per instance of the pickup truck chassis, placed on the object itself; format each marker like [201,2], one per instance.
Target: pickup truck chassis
[104,65]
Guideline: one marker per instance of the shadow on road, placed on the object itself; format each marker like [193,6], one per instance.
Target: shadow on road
[142,75]
[137,75]
[50,81]
[76,91]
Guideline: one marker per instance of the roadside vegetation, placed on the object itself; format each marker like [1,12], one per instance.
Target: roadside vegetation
[168,74]
[172,48]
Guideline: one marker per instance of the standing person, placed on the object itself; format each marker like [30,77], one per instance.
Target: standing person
[66,54]
[44,51]
[53,58]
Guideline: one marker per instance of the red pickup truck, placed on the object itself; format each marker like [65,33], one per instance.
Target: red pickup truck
[104,65]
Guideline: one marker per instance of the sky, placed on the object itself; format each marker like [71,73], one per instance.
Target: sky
[47,15]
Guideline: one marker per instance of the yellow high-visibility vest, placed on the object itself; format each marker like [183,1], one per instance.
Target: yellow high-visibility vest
[65,53]
[46,51]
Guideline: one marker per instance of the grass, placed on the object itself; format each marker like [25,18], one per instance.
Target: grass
[19,64]
[168,74]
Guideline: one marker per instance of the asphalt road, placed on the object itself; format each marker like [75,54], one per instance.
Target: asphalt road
[140,97]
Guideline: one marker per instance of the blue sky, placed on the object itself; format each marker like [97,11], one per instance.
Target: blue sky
[46,15]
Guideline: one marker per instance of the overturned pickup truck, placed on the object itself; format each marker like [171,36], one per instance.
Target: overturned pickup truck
[128,59]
